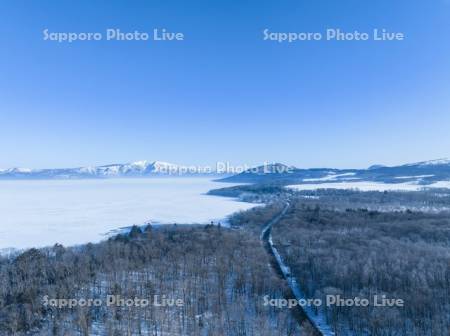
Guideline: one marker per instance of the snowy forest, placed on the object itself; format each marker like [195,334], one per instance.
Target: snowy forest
[342,243]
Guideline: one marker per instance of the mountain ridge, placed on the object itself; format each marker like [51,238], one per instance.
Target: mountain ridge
[424,172]
[133,169]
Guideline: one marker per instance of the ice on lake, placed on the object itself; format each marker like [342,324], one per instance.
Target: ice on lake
[35,213]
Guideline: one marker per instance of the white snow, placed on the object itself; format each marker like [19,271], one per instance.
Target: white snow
[36,213]
[331,177]
[431,162]
[413,177]
[146,168]
[363,186]
[441,184]
[165,167]
[140,164]
[318,318]
[18,170]
[88,170]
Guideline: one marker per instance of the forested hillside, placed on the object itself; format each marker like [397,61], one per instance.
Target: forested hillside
[220,275]
[360,253]
[340,243]
[335,246]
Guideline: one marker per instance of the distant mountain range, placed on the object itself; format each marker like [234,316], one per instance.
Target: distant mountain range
[422,173]
[134,169]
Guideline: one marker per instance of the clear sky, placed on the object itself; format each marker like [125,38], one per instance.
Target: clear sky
[224,94]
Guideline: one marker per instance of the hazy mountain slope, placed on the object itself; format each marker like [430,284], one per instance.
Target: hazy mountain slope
[139,168]
[422,173]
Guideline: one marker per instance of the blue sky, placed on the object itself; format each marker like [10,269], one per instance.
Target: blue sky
[224,94]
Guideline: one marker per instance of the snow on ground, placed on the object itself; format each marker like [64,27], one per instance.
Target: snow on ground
[413,177]
[36,213]
[317,317]
[331,177]
[441,184]
[370,186]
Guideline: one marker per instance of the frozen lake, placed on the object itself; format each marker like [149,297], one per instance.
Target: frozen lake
[42,213]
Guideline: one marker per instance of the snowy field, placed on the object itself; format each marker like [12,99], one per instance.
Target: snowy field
[41,213]
[370,186]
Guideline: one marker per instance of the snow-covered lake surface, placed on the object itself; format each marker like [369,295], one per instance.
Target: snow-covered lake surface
[44,212]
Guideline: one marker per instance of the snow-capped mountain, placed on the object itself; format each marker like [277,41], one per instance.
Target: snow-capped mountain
[438,162]
[420,173]
[134,169]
